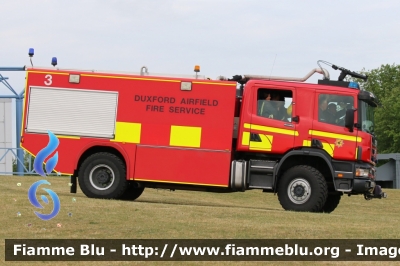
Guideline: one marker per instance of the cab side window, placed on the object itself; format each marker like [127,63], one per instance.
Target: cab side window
[332,108]
[275,104]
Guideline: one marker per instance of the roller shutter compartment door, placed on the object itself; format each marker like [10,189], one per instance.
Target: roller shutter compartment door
[73,112]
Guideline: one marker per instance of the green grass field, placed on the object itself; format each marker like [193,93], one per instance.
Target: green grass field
[189,215]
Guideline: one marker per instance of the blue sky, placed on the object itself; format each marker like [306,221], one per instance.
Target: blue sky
[282,38]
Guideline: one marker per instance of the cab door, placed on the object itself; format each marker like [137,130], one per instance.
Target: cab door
[328,124]
[269,127]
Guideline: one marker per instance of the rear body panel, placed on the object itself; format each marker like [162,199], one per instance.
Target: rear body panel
[156,126]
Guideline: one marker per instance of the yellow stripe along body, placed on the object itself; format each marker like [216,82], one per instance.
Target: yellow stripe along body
[266,140]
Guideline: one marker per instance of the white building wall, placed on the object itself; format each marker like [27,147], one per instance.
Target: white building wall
[5,136]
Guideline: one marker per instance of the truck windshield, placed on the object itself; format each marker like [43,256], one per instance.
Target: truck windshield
[367,117]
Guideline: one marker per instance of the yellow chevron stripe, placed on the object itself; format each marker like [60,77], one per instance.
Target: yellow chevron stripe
[329,148]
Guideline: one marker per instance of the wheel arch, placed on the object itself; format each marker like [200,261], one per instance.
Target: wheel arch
[318,159]
[101,147]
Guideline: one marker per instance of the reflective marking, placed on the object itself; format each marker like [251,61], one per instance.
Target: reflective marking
[272,129]
[127,132]
[246,139]
[67,137]
[28,151]
[23,104]
[34,156]
[180,148]
[53,73]
[174,182]
[334,135]
[119,77]
[307,143]
[185,136]
[329,148]
[264,145]
[213,83]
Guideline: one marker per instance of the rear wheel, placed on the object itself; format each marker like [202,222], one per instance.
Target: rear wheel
[302,188]
[103,175]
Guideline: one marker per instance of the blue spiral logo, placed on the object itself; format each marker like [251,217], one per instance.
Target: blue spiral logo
[44,153]
[32,198]
[50,165]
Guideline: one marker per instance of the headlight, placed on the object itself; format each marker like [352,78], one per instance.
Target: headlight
[362,172]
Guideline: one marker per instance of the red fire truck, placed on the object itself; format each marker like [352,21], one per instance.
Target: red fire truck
[120,133]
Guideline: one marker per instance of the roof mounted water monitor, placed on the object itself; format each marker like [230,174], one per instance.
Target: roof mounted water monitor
[344,72]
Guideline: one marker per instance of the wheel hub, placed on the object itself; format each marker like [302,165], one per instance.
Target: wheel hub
[299,191]
[101,177]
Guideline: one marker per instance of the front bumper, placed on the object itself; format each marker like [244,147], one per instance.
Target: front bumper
[363,185]
[361,180]
[369,188]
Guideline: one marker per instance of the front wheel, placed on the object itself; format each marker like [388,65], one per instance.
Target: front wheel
[132,192]
[302,188]
[103,175]
[331,203]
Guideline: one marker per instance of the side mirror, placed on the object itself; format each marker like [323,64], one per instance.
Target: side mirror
[349,120]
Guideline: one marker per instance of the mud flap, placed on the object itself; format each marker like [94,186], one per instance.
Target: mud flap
[73,184]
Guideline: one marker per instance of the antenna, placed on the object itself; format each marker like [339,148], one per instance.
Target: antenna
[273,64]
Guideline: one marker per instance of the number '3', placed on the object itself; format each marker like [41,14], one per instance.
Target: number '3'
[48,80]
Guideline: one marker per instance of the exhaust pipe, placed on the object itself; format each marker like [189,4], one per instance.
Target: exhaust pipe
[136,185]
[321,71]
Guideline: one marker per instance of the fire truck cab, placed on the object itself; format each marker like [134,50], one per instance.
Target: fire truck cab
[120,133]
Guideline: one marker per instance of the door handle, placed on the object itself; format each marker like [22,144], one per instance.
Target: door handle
[296,118]
[288,125]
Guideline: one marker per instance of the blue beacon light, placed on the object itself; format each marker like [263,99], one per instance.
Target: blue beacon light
[31,52]
[54,61]
[354,85]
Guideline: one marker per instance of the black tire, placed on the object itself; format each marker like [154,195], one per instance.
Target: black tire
[132,192]
[302,188]
[331,203]
[103,175]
